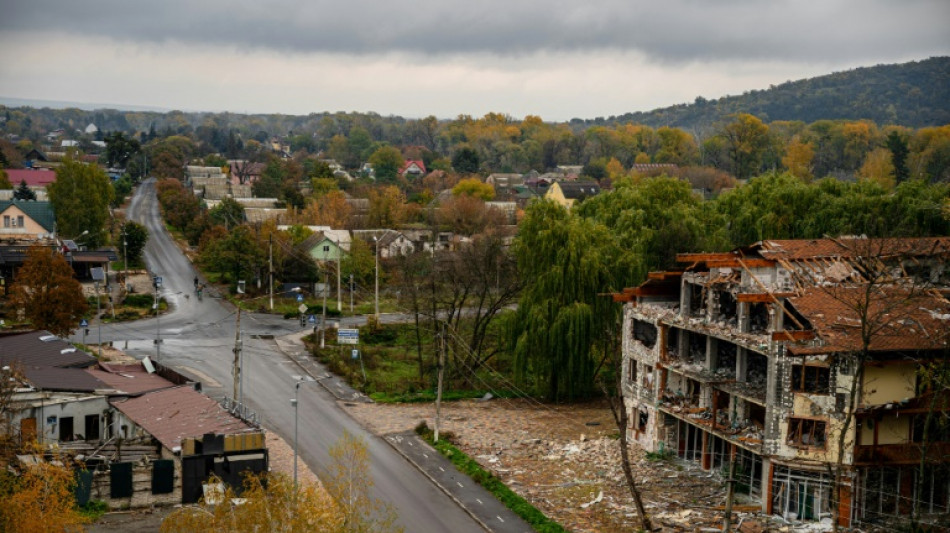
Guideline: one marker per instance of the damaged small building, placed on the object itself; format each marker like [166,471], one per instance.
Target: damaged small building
[785,353]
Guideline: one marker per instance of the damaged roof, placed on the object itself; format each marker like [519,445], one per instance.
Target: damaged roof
[50,378]
[899,319]
[792,250]
[173,414]
[132,379]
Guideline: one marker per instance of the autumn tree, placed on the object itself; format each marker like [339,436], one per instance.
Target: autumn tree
[474,187]
[47,292]
[468,215]
[80,197]
[746,138]
[330,209]
[5,182]
[39,499]
[879,168]
[385,207]
[348,480]
[798,158]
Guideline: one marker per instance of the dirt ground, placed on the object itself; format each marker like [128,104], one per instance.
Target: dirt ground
[565,461]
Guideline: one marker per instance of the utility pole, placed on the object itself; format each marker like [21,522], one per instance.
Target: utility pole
[237,356]
[339,273]
[438,395]
[125,257]
[323,317]
[351,293]
[270,268]
[158,327]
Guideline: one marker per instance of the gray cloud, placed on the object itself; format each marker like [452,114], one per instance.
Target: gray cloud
[672,31]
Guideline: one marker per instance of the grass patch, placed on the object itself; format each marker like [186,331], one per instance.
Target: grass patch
[468,466]
[93,510]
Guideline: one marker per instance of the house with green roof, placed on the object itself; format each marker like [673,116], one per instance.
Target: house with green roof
[26,220]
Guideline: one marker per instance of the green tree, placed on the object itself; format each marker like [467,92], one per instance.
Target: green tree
[46,291]
[897,144]
[80,197]
[465,160]
[134,235]
[120,149]
[386,162]
[565,261]
[236,256]
[23,192]
[5,182]
[228,213]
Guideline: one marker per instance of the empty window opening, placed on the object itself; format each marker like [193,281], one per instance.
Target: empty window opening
[692,392]
[748,472]
[689,441]
[757,414]
[938,430]
[814,379]
[65,428]
[632,373]
[673,342]
[697,348]
[727,307]
[697,299]
[757,367]
[92,427]
[645,333]
[643,420]
[758,318]
[648,377]
[726,356]
[806,432]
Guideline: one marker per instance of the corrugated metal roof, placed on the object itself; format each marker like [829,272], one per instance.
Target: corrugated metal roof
[62,379]
[131,379]
[853,247]
[41,348]
[172,414]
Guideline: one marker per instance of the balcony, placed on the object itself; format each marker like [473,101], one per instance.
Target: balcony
[899,454]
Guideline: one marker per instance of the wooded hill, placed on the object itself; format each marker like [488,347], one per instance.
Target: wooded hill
[915,94]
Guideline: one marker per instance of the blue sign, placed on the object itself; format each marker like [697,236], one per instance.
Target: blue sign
[300,297]
[312,319]
[84,323]
[347,336]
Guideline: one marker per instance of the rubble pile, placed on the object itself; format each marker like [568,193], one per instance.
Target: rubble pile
[565,460]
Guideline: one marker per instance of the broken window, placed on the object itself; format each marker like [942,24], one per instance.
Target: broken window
[811,378]
[697,348]
[758,318]
[697,299]
[645,333]
[648,377]
[632,377]
[672,342]
[643,420]
[727,306]
[757,414]
[799,495]
[806,432]
[726,358]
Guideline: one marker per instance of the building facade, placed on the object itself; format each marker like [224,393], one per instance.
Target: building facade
[792,357]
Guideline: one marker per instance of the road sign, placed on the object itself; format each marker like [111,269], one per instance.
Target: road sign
[300,297]
[157,280]
[312,319]
[347,336]
[84,323]
[356,353]
[302,308]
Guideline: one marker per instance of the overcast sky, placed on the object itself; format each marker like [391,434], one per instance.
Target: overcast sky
[557,59]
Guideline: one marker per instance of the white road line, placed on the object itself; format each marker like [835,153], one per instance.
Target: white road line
[442,469]
[460,485]
[425,455]
[479,501]
[500,518]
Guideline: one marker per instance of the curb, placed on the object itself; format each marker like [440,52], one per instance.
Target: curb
[428,476]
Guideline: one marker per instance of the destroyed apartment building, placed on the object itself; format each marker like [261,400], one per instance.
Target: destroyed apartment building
[785,353]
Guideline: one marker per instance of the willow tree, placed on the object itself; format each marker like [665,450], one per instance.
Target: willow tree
[565,262]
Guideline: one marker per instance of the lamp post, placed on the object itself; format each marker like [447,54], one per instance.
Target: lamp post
[97,276]
[298,381]
[376,245]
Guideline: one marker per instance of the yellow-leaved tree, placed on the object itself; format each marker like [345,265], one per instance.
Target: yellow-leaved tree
[39,500]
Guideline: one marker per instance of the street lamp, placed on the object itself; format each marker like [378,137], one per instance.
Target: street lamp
[97,276]
[376,243]
[297,381]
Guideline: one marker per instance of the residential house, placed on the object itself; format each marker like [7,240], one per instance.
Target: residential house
[326,246]
[413,169]
[567,193]
[754,354]
[27,220]
[35,179]
[504,184]
[654,169]
[243,171]
[391,243]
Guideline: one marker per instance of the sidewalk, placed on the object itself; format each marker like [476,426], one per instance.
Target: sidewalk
[470,496]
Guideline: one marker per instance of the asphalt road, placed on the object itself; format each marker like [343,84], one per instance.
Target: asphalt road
[198,338]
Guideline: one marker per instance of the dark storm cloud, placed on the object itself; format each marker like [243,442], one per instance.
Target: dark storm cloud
[666,31]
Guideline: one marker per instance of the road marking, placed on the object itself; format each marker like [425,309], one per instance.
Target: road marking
[460,485]
[442,469]
[479,501]
[425,455]
[500,518]
[411,444]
